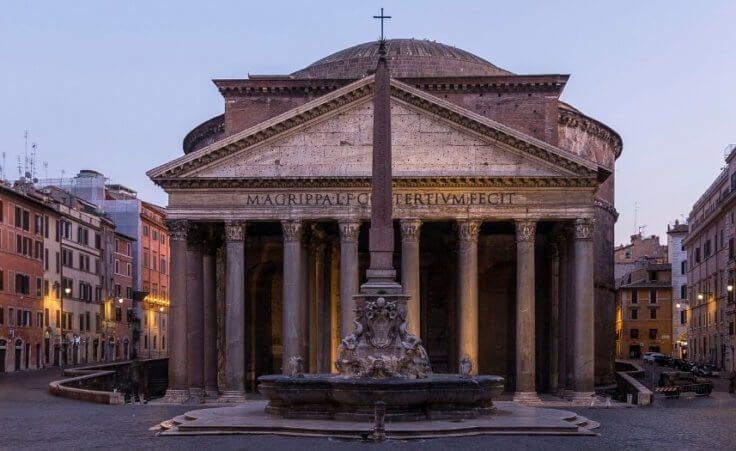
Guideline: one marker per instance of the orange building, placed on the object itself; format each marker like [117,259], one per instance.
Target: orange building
[154,273]
[24,219]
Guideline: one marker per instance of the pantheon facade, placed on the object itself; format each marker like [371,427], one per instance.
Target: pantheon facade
[503,205]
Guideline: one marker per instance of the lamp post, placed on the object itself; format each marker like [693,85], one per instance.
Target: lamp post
[67,291]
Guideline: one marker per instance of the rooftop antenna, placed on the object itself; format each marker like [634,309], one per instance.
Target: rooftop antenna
[25,152]
[20,168]
[62,178]
[34,149]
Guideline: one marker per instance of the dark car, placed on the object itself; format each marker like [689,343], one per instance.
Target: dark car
[683,365]
[663,360]
[706,370]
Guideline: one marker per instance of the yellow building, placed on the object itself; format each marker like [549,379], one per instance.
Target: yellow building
[644,311]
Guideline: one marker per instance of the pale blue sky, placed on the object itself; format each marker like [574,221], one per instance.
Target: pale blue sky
[115,86]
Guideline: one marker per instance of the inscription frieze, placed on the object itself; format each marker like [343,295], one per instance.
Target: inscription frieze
[328,199]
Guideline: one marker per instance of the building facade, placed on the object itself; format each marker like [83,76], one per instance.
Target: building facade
[154,248]
[626,256]
[677,258]
[497,187]
[24,219]
[644,311]
[710,254]
[117,310]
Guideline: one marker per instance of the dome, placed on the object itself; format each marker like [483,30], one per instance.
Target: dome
[407,58]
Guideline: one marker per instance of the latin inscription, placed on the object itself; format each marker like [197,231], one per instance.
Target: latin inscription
[363,199]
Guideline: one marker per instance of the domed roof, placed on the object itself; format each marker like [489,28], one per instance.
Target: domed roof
[407,58]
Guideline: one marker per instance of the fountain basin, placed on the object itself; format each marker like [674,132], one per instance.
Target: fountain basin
[332,396]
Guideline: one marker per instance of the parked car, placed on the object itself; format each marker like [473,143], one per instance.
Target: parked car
[706,370]
[649,356]
[683,365]
[663,360]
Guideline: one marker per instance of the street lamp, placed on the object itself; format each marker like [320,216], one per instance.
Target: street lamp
[120,301]
[700,296]
[678,305]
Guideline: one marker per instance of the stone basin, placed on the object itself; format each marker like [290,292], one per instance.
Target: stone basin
[332,396]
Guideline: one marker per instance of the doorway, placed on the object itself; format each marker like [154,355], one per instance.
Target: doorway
[18,351]
[3,347]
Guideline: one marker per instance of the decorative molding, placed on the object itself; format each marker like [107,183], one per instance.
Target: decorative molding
[574,119]
[584,228]
[178,229]
[293,229]
[606,207]
[468,230]
[235,230]
[525,230]
[365,182]
[349,231]
[358,90]
[410,229]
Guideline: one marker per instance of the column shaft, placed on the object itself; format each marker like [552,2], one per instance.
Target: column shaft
[294,308]
[349,231]
[563,318]
[177,390]
[467,286]
[410,229]
[525,312]
[235,372]
[584,384]
[209,278]
[195,325]
[554,323]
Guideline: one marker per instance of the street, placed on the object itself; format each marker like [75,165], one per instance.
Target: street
[33,419]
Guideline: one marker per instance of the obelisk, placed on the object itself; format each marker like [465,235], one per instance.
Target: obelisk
[381,273]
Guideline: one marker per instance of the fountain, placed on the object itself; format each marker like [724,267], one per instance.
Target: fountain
[381,363]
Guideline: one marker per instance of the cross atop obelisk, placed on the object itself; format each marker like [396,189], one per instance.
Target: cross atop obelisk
[381,237]
[382,17]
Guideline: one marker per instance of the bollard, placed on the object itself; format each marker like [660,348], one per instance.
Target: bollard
[629,398]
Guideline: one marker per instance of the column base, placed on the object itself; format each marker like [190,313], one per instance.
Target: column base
[211,393]
[568,394]
[176,396]
[232,396]
[196,395]
[526,397]
[583,397]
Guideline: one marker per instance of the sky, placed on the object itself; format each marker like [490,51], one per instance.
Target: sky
[115,85]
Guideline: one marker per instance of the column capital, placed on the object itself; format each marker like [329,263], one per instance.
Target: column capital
[410,229]
[584,228]
[525,229]
[293,229]
[235,230]
[178,229]
[349,230]
[468,229]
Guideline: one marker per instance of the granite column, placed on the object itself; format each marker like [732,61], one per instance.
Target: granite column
[349,280]
[178,390]
[554,323]
[410,230]
[234,312]
[195,313]
[525,312]
[467,286]
[294,308]
[562,316]
[584,385]
[209,282]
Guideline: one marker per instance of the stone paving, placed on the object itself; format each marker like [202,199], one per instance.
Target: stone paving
[30,418]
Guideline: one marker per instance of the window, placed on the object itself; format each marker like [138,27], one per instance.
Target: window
[98,241]
[683,291]
[2,280]
[145,341]
[129,271]
[26,220]
[697,255]
[652,295]
[127,249]
[634,333]
[652,313]
[730,248]
[146,259]
[163,342]
[2,315]
[117,266]
[118,314]
[163,265]
[18,217]
[634,296]
[155,237]
[39,287]
[46,317]
[706,248]
[683,266]
[38,224]
[81,321]
[11,316]
[163,239]
[634,313]
[22,284]
[128,293]
[58,318]
[652,334]
[154,342]
[145,230]
[86,320]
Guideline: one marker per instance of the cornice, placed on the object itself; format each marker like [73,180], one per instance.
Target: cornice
[365,182]
[575,119]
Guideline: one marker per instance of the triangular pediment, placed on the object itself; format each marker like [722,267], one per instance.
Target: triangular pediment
[332,136]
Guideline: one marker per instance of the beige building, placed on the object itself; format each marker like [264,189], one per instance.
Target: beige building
[626,256]
[710,255]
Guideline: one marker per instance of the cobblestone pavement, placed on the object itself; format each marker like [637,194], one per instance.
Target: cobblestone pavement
[30,418]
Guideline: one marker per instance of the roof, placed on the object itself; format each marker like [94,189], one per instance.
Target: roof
[407,58]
